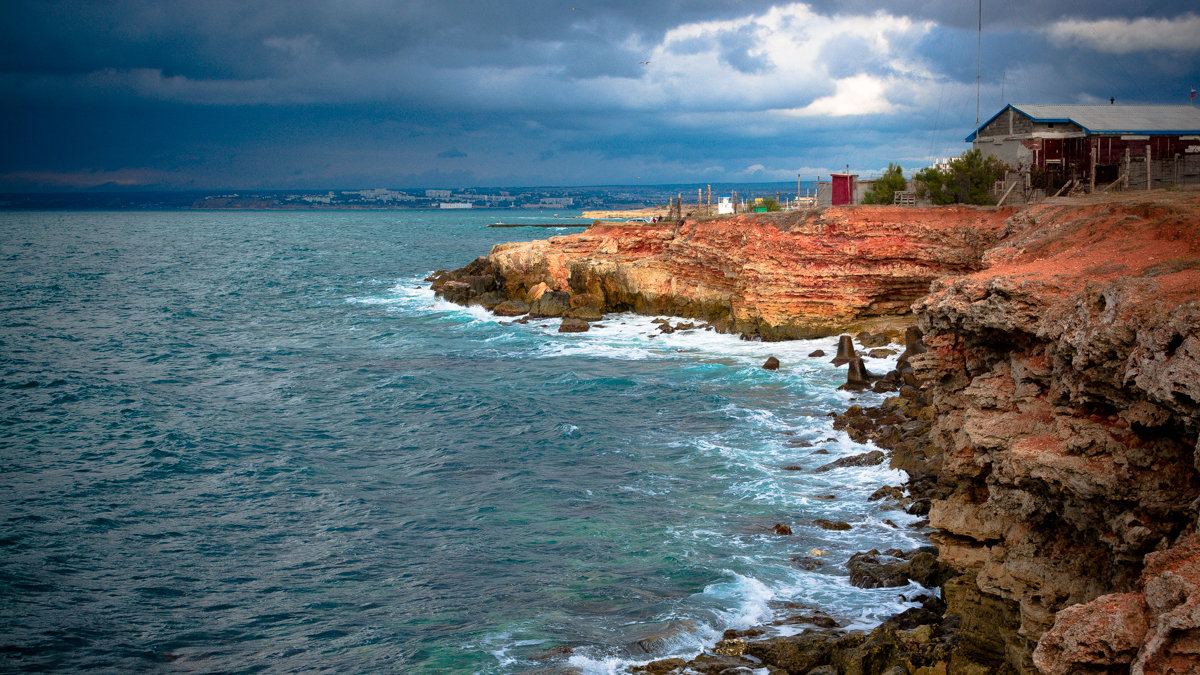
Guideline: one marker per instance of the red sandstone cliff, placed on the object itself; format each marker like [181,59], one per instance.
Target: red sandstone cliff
[773,276]
[1065,380]
[1063,373]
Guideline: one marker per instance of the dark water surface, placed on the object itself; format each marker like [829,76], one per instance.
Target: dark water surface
[249,441]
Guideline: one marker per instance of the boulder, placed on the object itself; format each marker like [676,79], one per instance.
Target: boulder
[871,458]
[511,308]
[573,325]
[772,363]
[550,304]
[872,569]
[837,525]
[872,339]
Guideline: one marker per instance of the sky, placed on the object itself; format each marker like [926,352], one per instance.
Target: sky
[315,94]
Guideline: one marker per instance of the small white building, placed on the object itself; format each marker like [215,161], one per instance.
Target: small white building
[724,205]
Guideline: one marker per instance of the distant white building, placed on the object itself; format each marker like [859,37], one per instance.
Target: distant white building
[379,195]
[437,194]
[319,199]
[558,201]
[455,205]
[724,205]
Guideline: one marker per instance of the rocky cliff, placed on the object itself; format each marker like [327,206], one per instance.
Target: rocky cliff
[774,276]
[1065,385]
[1056,434]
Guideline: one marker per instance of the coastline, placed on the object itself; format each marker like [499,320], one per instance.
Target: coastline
[1066,357]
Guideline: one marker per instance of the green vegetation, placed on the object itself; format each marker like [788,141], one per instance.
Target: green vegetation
[771,204]
[968,181]
[891,182]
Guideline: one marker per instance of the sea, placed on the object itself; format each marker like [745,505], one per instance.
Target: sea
[255,441]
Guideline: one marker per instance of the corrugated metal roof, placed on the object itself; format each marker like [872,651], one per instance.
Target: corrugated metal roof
[1113,119]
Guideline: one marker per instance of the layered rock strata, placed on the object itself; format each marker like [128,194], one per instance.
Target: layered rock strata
[1051,429]
[1064,381]
[774,276]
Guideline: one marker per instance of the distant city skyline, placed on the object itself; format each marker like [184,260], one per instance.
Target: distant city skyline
[315,94]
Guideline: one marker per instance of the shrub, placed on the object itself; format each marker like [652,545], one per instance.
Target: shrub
[891,182]
[968,181]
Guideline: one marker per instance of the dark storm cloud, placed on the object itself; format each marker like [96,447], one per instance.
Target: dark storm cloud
[313,93]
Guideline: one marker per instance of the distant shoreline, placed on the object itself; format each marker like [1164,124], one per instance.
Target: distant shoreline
[539,225]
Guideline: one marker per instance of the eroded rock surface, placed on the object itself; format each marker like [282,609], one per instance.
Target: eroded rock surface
[1063,381]
[774,276]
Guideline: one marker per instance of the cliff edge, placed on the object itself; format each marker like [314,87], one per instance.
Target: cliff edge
[1057,433]
[1065,384]
[772,276]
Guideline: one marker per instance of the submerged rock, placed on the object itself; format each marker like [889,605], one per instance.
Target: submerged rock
[836,525]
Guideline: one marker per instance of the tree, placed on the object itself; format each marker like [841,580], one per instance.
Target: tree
[891,182]
[771,204]
[969,180]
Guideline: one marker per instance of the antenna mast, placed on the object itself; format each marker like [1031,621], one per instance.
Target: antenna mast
[979,64]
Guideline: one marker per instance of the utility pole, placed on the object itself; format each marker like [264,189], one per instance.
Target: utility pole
[979,65]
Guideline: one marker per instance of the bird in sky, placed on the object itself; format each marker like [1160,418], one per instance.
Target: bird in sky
[644,63]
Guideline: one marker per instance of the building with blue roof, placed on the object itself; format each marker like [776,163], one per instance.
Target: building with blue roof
[1142,145]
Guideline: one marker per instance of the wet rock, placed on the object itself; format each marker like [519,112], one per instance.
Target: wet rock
[780,528]
[586,313]
[817,353]
[573,325]
[925,569]
[553,653]
[799,443]
[872,458]
[772,363]
[920,507]
[881,353]
[826,524]
[883,387]
[663,667]
[550,304]
[893,496]
[731,633]
[807,562]
[793,467]
[913,617]
[511,308]
[815,618]
[488,300]
[874,570]
[796,654]
[730,647]
[872,339]
[845,350]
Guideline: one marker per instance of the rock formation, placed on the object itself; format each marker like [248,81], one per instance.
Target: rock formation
[774,276]
[1064,381]
[1049,421]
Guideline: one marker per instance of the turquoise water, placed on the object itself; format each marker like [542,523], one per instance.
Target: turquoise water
[255,441]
